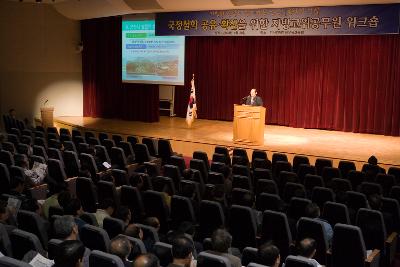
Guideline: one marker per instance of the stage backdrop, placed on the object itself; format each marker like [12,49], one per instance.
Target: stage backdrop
[345,83]
[104,94]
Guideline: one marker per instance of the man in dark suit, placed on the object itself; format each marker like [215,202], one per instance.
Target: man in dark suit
[253,99]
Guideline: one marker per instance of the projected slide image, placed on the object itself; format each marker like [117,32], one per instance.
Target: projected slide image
[147,58]
[167,66]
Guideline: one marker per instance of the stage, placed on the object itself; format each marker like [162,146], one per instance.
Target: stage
[205,134]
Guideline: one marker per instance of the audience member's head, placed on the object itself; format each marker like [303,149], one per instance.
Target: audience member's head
[4,213]
[84,171]
[107,205]
[153,222]
[136,180]
[133,230]
[69,254]
[121,246]
[187,174]
[221,241]
[307,248]
[108,177]
[32,205]
[182,250]
[146,260]
[74,208]
[373,160]
[17,184]
[312,210]
[268,254]
[375,201]
[124,213]
[65,228]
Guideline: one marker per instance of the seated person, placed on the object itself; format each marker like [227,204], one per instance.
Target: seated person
[70,254]
[121,247]
[147,260]
[268,255]
[182,252]
[124,213]
[221,242]
[74,208]
[106,209]
[312,211]
[306,249]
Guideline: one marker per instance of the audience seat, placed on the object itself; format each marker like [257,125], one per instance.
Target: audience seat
[23,241]
[94,238]
[101,259]
[243,227]
[113,226]
[206,259]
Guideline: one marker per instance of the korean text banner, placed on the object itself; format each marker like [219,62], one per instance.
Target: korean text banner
[328,20]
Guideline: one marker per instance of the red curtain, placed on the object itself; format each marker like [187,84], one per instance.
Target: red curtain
[104,94]
[345,83]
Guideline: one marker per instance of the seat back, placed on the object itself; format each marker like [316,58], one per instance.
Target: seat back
[23,241]
[224,151]
[199,165]
[321,163]
[391,206]
[297,160]
[164,150]
[249,254]
[178,162]
[86,193]
[155,205]
[348,248]
[266,201]
[202,156]
[72,165]
[102,259]
[118,158]
[211,217]
[386,181]
[131,197]
[275,227]
[293,190]
[113,226]
[305,169]
[10,262]
[372,227]
[320,195]
[335,213]
[53,247]
[174,173]
[128,149]
[151,144]
[266,186]
[107,190]
[88,162]
[206,259]
[297,207]
[5,243]
[163,251]
[56,170]
[31,222]
[345,167]
[94,238]
[243,227]
[181,211]
[242,197]
[141,153]
[307,227]
[295,261]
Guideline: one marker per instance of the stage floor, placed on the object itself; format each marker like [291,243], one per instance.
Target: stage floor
[205,134]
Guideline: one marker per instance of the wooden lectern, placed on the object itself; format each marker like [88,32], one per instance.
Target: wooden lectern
[47,116]
[248,125]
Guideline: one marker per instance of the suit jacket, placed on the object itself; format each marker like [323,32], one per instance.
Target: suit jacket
[257,101]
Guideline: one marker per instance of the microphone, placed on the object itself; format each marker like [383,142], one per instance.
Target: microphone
[243,100]
[45,102]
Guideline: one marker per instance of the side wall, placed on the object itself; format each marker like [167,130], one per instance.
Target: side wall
[39,60]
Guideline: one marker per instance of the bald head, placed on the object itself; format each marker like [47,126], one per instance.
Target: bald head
[121,247]
[147,260]
[307,248]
